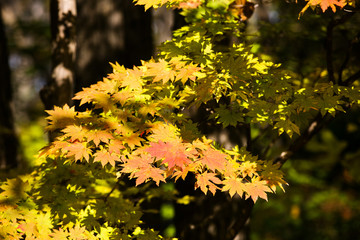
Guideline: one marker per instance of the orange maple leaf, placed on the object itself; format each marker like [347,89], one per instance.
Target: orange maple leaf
[77,232]
[98,136]
[78,150]
[206,181]
[74,132]
[324,4]
[214,159]
[132,140]
[234,185]
[116,146]
[60,117]
[331,3]
[132,78]
[160,71]
[141,168]
[257,189]
[105,157]
[173,153]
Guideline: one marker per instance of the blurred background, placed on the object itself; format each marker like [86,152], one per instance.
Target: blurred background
[322,200]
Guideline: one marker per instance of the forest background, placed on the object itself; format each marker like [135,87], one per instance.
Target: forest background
[322,199]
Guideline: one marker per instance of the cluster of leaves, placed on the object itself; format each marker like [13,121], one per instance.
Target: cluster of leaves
[69,201]
[138,119]
[138,123]
[325,4]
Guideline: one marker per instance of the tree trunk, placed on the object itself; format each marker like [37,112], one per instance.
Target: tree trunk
[110,31]
[8,138]
[59,88]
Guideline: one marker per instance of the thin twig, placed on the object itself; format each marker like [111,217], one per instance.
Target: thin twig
[314,127]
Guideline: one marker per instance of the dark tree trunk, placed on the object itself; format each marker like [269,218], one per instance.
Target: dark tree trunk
[110,31]
[8,138]
[59,88]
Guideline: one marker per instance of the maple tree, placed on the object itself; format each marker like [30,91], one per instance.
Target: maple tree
[139,123]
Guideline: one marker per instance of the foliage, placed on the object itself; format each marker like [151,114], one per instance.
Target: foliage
[138,123]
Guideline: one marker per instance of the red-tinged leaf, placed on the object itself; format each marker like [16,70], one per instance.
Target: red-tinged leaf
[60,117]
[76,133]
[214,159]
[191,167]
[141,168]
[144,174]
[206,181]
[28,227]
[173,153]
[116,146]
[257,189]
[105,157]
[324,4]
[234,185]
[77,233]
[78,150]
[99,136]
[187,73]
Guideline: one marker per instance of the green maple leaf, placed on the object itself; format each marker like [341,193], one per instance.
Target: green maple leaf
[228,116]
[287,126]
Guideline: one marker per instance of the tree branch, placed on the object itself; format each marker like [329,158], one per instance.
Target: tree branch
[329,44]
[314,127]
[352,79]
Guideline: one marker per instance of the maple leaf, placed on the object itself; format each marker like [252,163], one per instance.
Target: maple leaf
[59,234]
[150,108]
[324,4]
[116,146]
[214,159]
[140,167]
[234,185]
[132,140]
[257,189]
[191,167]
[98,136]
[162,131]
[74,132]
[105,157]
[102,100]
[160,71]
[77,232]
[132,79]
[173,153]
[273,176]
[85,96]
[61,117]
[206,181]
[248,168]
[288,127]
[187,73]
[123,95]
[78,150]
[108,86]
